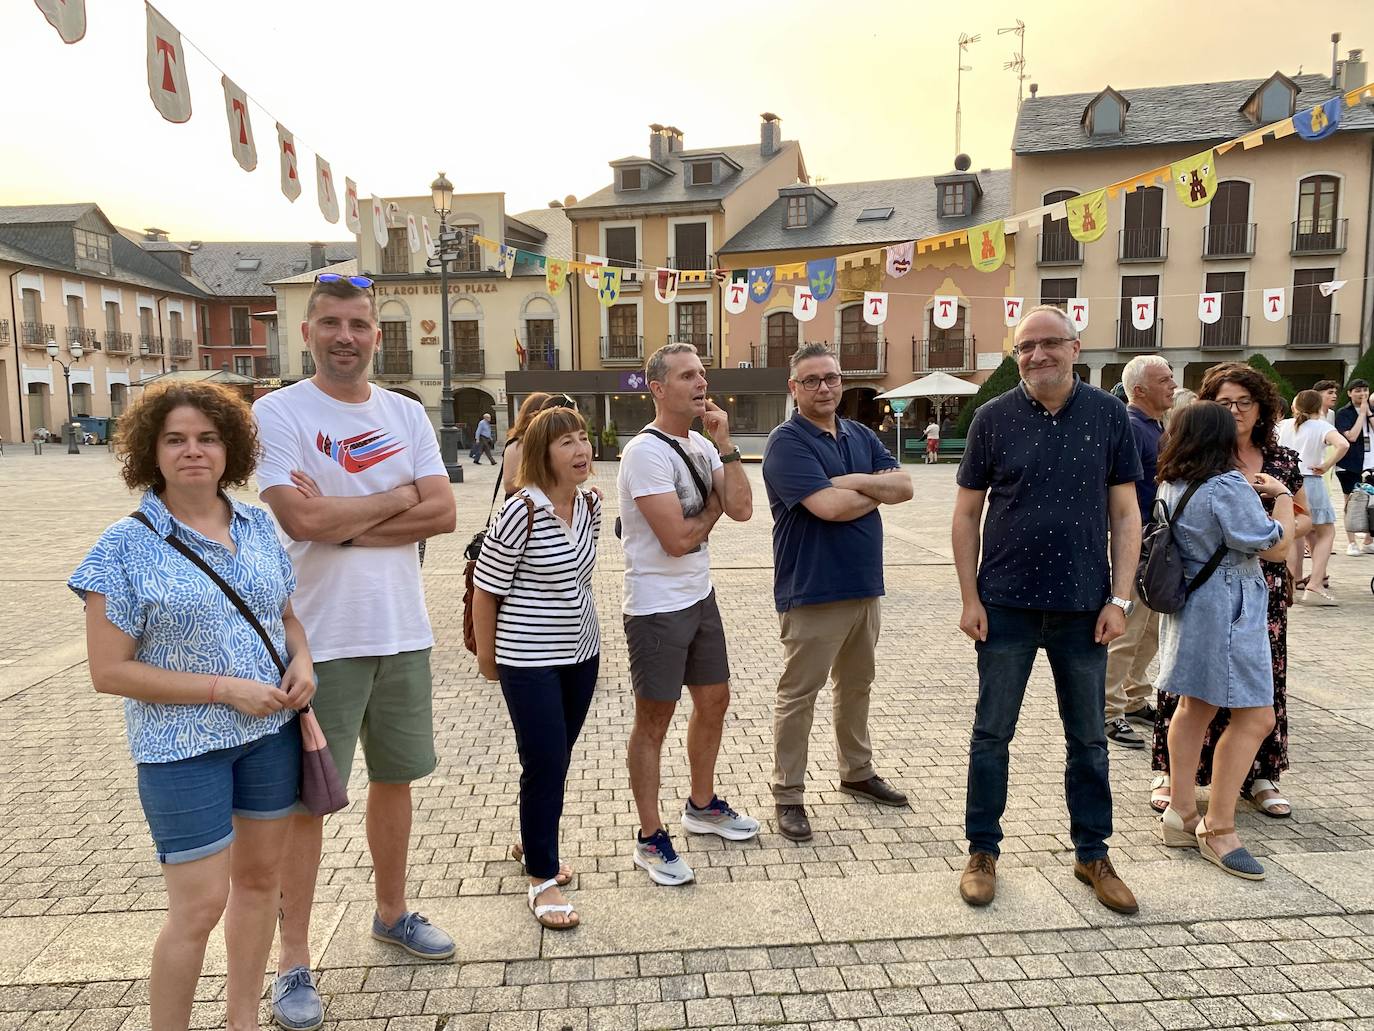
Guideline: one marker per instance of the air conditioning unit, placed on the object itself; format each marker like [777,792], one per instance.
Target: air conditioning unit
[746,365]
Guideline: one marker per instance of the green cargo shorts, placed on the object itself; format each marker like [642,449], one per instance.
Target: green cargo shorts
[386,702]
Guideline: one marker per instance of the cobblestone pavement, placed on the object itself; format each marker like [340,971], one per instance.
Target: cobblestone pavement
[860,929]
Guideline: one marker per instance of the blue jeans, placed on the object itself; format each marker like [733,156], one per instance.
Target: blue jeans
[1004,665]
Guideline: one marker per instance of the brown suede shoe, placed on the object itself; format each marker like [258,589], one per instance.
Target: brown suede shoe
[1110,889]
[978,885]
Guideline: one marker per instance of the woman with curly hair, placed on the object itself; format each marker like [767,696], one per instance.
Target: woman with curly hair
[211,722]
[1257,406]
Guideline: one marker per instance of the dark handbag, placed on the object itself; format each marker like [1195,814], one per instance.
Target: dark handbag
[1159,578]
[322,790]
[473,551]
[696,477]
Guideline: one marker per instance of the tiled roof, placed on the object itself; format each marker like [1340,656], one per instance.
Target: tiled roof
[554,223]
[674,190]
[44,213]
[1200,113]
[215,264]
[914,215]
[343,268]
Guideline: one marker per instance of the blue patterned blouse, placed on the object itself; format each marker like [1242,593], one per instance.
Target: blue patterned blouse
[183,622]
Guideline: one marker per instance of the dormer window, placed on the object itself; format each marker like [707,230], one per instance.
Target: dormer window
[796,212]
[1106,115]
[1275,102]
[248,265]
[93,247]
[702,173]
[954,199]
[631,179]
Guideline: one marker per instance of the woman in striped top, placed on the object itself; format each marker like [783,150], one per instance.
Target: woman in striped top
[536,628]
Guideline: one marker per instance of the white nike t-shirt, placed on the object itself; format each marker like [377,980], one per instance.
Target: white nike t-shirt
[351,601]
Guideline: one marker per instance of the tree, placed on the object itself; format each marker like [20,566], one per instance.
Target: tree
[1364,369]
[1262,364]
[1006,376]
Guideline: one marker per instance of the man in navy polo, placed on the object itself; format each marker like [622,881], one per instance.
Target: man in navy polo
[826,477]
[1056,463]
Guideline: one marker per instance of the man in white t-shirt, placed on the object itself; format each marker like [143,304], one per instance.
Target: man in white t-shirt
[672,624]
[353,475]
[932,442]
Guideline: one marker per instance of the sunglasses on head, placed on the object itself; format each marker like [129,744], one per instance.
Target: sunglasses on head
[361,282]
[558,402]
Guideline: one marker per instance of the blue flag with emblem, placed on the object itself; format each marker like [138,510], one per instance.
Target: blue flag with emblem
[820,276]
[760,284]
[1319,122]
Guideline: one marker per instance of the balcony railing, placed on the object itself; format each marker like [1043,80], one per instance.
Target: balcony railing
[36,334]
[392,364]
[87,338]
[1058,249]
[863,359]
[622,349]
[1149,244]
[117,342]
[1228,333]
[308,364]
[947,354]
[541,359]
[268,367]
[692,262]
[469,361]
[1314,329]
[1319,236]
[701,341]
[4,331]
[1229,240]
[242,336]
[151,345]
[181,347]
[1128,338]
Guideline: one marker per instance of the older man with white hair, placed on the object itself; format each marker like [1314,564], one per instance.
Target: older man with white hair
[1149,384]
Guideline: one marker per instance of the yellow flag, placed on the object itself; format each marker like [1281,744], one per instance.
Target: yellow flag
[987,246]
[1195,179]
[1087,215]
[555,275]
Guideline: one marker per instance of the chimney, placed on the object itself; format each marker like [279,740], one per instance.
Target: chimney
[674,139]
[1356,72]
[1335,64]
[658,143]
[770,134]
[1035,88]
[317,258]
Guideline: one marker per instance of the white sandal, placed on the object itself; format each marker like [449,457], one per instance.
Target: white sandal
[540,912]
[1159,802]
[1268,805]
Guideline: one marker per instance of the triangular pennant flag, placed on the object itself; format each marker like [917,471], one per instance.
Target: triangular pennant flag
[325,191]
[592,276]
[167,83]
[1087,215]
[1209,307]
[428,238]
[804,304]
[944,311]
[875,308]
[899,258]
[1273,304]
[290,174]
[737,291]
[68,17]
[412,233]
[555,275]
[665,285]
[505,260]
[353,218]
[760,283]
[1011,310]
[1195,179]
[1320,121]
[987,246]
[820,276]
[240,125]
[1330,287]
[608,290]
[1142,312]
[1078,313]
[379,232]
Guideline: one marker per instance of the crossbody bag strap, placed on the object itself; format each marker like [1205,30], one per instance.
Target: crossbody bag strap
[220,582]
[496,487]
[1212,564]
[696,477]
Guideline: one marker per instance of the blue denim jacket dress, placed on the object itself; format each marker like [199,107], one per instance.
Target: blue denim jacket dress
[1217,647]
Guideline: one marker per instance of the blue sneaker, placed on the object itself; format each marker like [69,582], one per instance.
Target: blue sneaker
[656,855]
[718,818]
[295,1002]
[415,934]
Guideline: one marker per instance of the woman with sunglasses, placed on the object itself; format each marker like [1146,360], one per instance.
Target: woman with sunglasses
[529,408]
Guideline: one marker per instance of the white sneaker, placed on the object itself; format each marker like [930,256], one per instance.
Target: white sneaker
[1321,599]
[1354,549]
[1368,549]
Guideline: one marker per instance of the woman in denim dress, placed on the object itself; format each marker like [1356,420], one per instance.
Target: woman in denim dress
[1214,652]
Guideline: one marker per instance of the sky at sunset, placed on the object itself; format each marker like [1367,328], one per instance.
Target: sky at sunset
[534,98]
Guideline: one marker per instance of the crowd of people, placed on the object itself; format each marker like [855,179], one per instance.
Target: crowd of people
[193,600]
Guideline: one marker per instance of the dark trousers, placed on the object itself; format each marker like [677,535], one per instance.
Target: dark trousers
[1004,666]
[548,705]
[484,451]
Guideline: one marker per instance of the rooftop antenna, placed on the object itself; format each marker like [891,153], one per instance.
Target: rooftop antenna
[1018,60]
[965,41]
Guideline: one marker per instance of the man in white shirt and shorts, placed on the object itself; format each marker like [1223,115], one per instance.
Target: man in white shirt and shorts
[672,624]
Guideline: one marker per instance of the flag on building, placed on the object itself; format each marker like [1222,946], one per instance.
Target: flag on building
[68,17]
[1087,215]
[899,258]
[1195,179]
[240,125]
[325,191]
[352,216]
[1319,121]
[987,246]
[520,355]
[290,174]
[167,83]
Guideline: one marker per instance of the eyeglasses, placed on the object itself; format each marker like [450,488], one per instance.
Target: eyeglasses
[1027,347]
[812,383]
[1239,404]
[361,282]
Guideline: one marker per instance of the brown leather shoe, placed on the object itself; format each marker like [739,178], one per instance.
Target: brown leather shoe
[978,885]
[1110,889]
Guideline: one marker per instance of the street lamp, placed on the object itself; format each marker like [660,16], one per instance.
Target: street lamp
[442,190]
[76,351]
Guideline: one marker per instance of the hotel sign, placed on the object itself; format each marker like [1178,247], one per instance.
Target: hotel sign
[411,289]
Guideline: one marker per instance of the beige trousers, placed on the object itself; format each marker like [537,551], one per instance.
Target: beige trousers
[836,639]
[1128,657]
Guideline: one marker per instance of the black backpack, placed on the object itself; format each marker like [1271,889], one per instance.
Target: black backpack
[1159,578]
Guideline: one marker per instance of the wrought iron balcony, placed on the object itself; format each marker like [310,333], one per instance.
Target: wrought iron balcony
[151,345]
[469,361]
[946,354]
[392,364]
[307,364]
[622,349]
[1058,249]
[1314,329]
[87,338]
[1128,338]
[1230,240]
[117,342]
[36,334]
[268,367]
[701,341]
[541,359]
[181,348]
[1228,333]
[1149,244]
[861,359]
[1319,236]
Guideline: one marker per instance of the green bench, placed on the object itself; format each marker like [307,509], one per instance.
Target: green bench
[951,446]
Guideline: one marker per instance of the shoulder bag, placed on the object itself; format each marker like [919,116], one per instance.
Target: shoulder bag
[696,476]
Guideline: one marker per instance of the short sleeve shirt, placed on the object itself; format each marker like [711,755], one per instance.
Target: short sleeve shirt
[816,560]
[183,622]
[1147,432]
[1047,478]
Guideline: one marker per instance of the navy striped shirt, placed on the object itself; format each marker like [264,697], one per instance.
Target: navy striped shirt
[544,575]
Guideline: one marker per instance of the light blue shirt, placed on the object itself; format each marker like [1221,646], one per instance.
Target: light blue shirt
[484,431]
[182,621]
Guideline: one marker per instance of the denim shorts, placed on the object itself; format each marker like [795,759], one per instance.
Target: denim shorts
[1319,500]
[190,803]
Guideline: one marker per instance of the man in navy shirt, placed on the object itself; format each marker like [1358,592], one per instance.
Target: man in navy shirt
[826,477]
[1149,384]
[1055,461]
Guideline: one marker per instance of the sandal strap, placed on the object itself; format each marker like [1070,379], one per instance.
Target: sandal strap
[1214,832]
[1260,784]
[538,889]
[1161,781]
[545,910]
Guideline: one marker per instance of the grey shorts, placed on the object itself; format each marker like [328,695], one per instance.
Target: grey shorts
[670,649]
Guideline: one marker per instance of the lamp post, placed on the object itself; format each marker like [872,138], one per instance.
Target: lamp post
[76,351]
[442,190]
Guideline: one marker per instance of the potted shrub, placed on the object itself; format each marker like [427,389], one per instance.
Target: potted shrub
[610,443]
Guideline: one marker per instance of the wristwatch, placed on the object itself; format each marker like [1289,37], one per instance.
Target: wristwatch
[731,455]
[1125,606]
